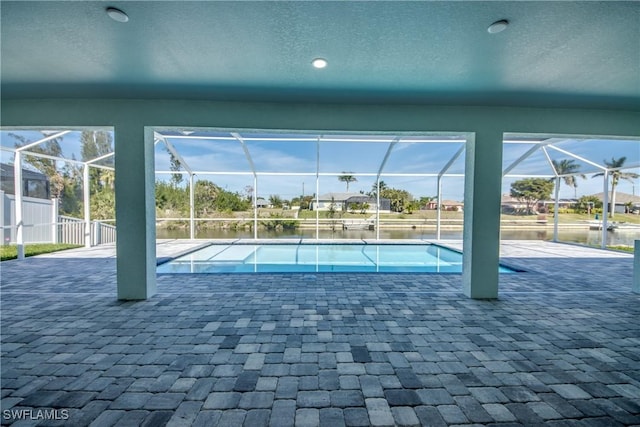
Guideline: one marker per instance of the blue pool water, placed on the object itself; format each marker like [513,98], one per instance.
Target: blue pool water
[308,258]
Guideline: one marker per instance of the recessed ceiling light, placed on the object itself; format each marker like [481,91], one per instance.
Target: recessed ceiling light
[117,14]
[319,63]
[498,26]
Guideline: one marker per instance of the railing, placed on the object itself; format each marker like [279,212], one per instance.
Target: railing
[358,224]
[71,231]
[102,233]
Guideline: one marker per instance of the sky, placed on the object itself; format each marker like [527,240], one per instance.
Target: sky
[361,159]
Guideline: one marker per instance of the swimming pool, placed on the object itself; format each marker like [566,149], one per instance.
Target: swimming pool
[308,258]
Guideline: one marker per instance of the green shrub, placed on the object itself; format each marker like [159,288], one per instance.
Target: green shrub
[278,223]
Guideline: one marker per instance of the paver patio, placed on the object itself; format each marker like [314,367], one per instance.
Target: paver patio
[560,347]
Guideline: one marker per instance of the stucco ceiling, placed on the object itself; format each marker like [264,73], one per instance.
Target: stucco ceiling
[584,54]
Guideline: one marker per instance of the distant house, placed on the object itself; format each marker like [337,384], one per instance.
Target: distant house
[262,203]
[34,184]
[452,205]
[349,201]
[356,203]
[562,203]
[447,205]
[622,201]
[509,204]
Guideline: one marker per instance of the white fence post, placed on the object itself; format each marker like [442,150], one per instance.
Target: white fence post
[97,238]
[192,208]
[439,208]
[17,178]
[86,201]
[54,220]
[605,210]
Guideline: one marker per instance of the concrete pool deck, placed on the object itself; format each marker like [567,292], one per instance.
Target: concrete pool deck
[561,346]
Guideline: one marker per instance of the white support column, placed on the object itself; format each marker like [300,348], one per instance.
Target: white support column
[438,207]
[378,208]
[192,207]
[556,207]
[317,204]
[635,287]
[605,209]
[317,207]
[135,211]
[17,181]
[54,220]
[255,207]
[481,237]
[86,203]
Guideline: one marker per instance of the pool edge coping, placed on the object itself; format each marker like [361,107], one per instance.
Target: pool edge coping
[364,242]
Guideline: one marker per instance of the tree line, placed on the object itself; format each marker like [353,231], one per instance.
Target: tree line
[208,198]
[531,191]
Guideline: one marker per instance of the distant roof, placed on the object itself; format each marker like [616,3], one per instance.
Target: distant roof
[507,198]
[452,203]
[339,197]
[621,198]
[360,198]
[7,171]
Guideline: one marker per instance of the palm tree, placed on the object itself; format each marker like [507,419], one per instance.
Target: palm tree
[614,170]
[347,179]
[569,169]
[275,201]
[374,188]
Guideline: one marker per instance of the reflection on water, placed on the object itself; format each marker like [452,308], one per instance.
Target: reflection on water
[589,237]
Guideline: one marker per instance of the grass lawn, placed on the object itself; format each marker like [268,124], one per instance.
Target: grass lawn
[621,248]
[11,251]
[619,217]
[565,218]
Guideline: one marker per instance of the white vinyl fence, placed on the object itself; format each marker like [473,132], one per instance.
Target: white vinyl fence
[37,219]
[43,225]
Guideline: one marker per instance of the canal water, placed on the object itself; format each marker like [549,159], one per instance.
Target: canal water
[583,236]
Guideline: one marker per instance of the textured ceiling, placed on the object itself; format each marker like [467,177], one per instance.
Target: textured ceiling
[583,54]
